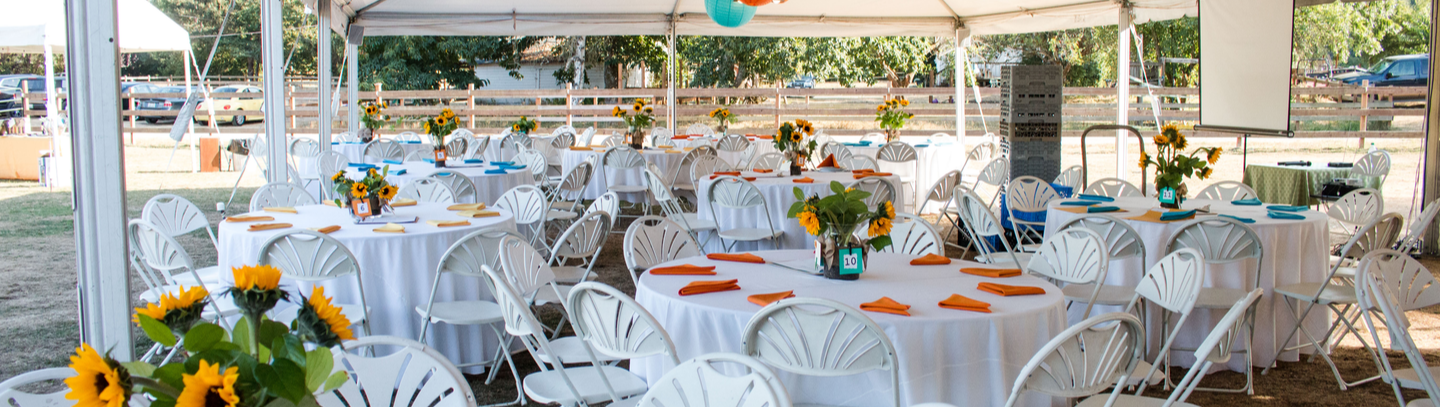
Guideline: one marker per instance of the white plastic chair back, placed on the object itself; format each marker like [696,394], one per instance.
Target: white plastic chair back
[307,255]
[525,269]
[467,257]
[615,140]
[1374,293]
[913,236]
[12,396]
[384,150]
[880,189]
[941,191]
[820,337]
[418,155]
[1357,207]
[1028,194]
[699,128]
[705,165]
[1375,164]
[563,140]
[1227,191]
[407,136]
[528,204]
[572,187]
[661,131]
[662,140]
[840,151]
[770,161]
[563,129]
[1413,284]
[858,162]
[585,237]
[327,165]
[460,185]
[981,224]
[1123,240]
[1415,231]
[1219,241]
[548,152]
[1084,359]
[175,216]
[586,137]
[733,143]
[1173,283]
[736,193]
[897,152]
[1114,188]
[161,256]
[614,325]
[697,383]
[608,203]
[304,147]
[1214,349]
[652,240]
[1071,177]
[415,375]
[456,147]
[994,175]
[1073,256]
[345,137]
[427,189]
[477,148]
[280,194]
[983,152]
[873,137]
[686,162]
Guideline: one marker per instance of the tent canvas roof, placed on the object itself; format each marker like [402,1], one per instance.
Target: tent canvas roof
[29,25]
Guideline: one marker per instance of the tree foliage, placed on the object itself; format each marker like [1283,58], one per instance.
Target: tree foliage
[239,51]
[1360,33]
[418,62]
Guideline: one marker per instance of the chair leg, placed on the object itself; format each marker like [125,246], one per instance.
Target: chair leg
[1298,322]
[519,382]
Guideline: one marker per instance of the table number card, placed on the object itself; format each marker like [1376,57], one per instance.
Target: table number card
[852,261]
[361,207]
[1167,195]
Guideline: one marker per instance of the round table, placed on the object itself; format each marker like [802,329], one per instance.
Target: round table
[778,189]
[397,270]
[667,162]
[762,146]
[1296,251]
[355,151]
[489,187]
[959,357]
[932,161]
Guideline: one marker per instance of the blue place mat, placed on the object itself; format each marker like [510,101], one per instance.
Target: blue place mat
[1248,202]
[396,162]
[1169,216]
[921,145]
[495,171]
[1078,203]
[1090,197]
[1288,208]
[409,142]
[502,163]
[398,172]
[1242,220]
[362,165]
[1101,209]
[512,167]
[473,161]
[1284,215]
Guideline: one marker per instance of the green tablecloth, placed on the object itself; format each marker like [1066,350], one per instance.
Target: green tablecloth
[1293,185]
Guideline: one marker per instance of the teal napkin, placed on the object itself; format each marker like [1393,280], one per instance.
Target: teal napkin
[1248,202]
[397,172]
[1100,198]
[396,162]
[502,163]
[1078,203]
[410,142]
[1099,209]
[362,165]
[513,167]
[495,171]
[442,174]
[473,161]
[1242,220]
[430,160]
[1284,215]
[1288,208]
[922,145]
[1168,216]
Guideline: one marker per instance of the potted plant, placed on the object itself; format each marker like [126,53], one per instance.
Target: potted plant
[372,119]
[1172,167]
[722,114]
[791,140]
[834,221]
[367,197]
[523,126]
[892,116]
[637,120]
[259,362]
[438,127]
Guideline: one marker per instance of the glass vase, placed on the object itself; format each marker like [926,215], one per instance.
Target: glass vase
[832,257]
[635,138]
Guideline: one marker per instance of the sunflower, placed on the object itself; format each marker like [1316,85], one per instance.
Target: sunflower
[1213,156]
[179,310]
[649,110]
[810,222]
[1160,139]
[1144,157]
[880,227]
[208,387]
[152,310]
[442,121]
[256,288]
[359,190]
[714,112]
[638,105]
[447,113]
[1170,130]
[879,109]
[889,209]
[98,381]
[796,137]
[1180,142]
[426,126]
[617,112]
[320,322]
[387,192]
[371,110]
[384,105]
[262,277]
[1205,172]
[338,176]
[514,127]
[904,102]
[371,172]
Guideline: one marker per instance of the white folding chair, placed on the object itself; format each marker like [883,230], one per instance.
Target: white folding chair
[1415,231]
[381,150]
[582,241]
[313,257]
[859,162]
[1084,360]
[456,147]
[563,140]
[1122,242]
[981,225]
[586,137]
[733,143]
[529,207]
[1377,295]
[873,137]
[680,181]
[1071,177]
[1223,241]
[899,153]
[840,151]
[327,165]
[1227,191]
[653,240]
[460,185]
[419,155]
[1353,210]
[565,197]
[704,166]
[427,189]
[1073,256]
[1173,284]
[534,161]
[477,148]
[701,129]
[690,221]
[912,235]
[981,153]
[1374,165]
[414,375]
[697,383]
[881,191]
[407,137]
[993,176]
[620,159]
[820,337]
[1339,298]
[615,326]
[15,391]
[175,216]
[277,194]
[345,137]
[942,191]
[733,192]
[165,267]
[615,140]
[1028,194]
[1114,188]
[770,161]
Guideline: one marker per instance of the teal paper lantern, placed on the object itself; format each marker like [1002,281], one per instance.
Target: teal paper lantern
[729,13]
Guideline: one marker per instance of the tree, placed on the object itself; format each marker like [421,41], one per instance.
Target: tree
[1066,48]
[239,50]
[614,53]
[421,62]
[1360,33]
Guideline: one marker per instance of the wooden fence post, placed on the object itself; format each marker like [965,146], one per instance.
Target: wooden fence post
[777,107]
[470,102]
[569,104]
[25,105]
[1364,105]
[290,96]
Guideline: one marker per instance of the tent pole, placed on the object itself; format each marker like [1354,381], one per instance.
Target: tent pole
[962,45]
[51,127]
[322,47]
[93,68]
[670,82]
[1122,89]
[352,88]
[190,127]
[272,60]
[1431,181]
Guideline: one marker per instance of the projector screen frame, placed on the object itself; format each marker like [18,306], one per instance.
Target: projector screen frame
[1249,131]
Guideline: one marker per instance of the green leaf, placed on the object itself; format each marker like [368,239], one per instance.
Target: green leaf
[288,347]
[203,337]
[837,188]
[138,368]
[857,195]
[170,374]
[156,330]
[336,380]
[292,380]
[269,330]
[799,194]
[242,334]
[318,363]
[161,402]
[880,243]
[280,402]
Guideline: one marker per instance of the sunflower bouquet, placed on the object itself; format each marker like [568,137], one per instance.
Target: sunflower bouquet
[524,125]
[892,116]
[1172,166]
[722,114]
[791,140]
[637,119]
[366,196]
[258,363]
[373,118]
[836,220]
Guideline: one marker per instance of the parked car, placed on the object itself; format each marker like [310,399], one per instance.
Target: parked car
[803,82]
[1400,70]
[250,100]
[34,83]
[164,103]
[128,88]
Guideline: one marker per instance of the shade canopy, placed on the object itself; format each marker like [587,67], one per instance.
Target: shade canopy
[795,18]
[28,26]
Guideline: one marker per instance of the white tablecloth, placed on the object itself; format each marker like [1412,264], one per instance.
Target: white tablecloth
[666,161]
[778,189]
[1295,252]
[398,270]
[932,161]
[489,186]
[762,146]
[959,357]
[356,151]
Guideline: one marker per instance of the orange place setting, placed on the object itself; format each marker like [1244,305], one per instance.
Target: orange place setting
[1010,290]
[931,259]
[269,226]
[806,180]
[239,219]
[960,302]
[684,270]
[992,273]
[327,230]
[886,305]
[742,257]
[702,287]
[280,209]
[767,299]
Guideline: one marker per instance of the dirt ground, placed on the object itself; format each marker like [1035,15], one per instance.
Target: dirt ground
[37,282]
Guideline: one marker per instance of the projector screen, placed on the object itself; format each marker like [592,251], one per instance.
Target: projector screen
[1245,63]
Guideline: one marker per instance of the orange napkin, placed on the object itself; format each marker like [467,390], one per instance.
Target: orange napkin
[1010,290]
[684,270]
[735,173]
[829,162]
[702,287]
[680,137]
[806,180]
[398,202]
[765,137]
[327,230]
[862,171]
[390,228]
[931,259]
[466,207]
[872,174]
[751,179]
[448,223]
[992,273]
[248,218]
[742,257]
[580,148]
[281,209]
[767,299]
[762,170]
[268,226]
[886,305]
[960,302]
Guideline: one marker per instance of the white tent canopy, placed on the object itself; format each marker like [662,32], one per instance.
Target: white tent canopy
[28,26]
